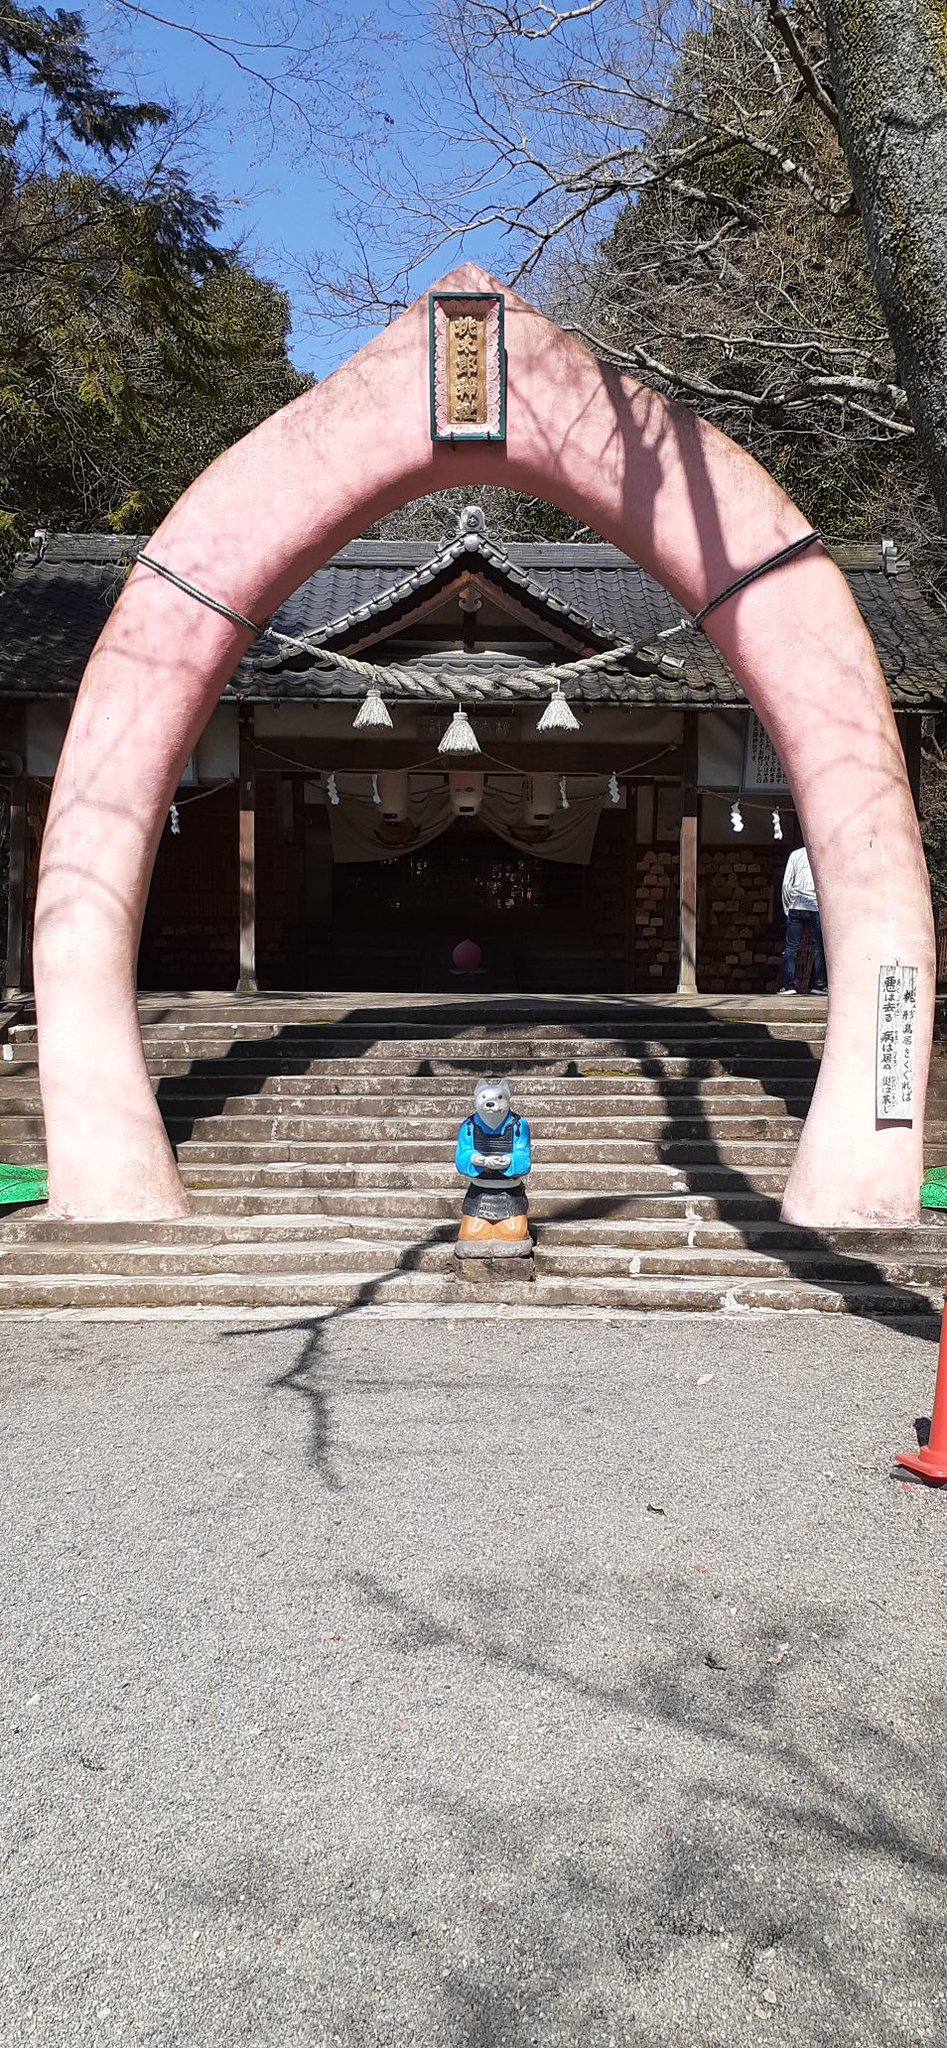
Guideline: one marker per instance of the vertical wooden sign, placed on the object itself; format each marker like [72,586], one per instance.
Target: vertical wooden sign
[467,367]
[897,1043]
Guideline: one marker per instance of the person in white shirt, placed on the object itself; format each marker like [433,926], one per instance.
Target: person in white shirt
[801,906]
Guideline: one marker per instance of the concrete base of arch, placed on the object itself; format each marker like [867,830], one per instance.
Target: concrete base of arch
[651,477]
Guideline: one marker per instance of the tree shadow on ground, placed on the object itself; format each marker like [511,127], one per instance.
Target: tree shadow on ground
[665,1848]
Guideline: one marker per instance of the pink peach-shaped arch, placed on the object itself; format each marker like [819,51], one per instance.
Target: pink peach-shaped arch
[657,481]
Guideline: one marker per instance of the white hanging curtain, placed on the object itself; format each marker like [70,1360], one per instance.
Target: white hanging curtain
[359,831]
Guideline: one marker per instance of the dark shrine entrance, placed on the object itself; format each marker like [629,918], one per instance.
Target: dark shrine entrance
[539,924]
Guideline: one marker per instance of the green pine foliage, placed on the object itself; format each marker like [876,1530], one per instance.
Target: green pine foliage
[133,347]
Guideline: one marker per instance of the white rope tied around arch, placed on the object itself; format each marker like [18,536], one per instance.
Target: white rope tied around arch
[370,671]
[377,677]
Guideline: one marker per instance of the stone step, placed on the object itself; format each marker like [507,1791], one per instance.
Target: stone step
[351,1163]
[924,1267]
[399,1105]
[656,1203]
[515,1033]
[433,1057]
[621,1236]
[353,1133]
[629,1168]
[774,1067]
[465,1289]
[559,1135]
[574,1093]
[327,1256]
[323,1258]
[499,1011]
[317,1150]
[566,1182]
[354,1110]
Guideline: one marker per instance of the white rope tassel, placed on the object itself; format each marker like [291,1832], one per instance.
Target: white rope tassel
[374,711]
[736,816]
[614,793]
[558,715]
[332,790]
[460,737]
[563,794]
[175,822]
[777,825]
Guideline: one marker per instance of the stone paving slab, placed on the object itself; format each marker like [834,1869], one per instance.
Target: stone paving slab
[483,1685]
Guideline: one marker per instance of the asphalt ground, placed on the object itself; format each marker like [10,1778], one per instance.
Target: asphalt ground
[387,1681]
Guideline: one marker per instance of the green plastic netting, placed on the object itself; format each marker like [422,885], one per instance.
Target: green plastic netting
[23,1184]
[934,1188]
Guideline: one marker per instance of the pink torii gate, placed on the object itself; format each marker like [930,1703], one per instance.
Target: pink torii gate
[661,484]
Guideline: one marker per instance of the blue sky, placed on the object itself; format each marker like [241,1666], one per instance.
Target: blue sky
[275,183]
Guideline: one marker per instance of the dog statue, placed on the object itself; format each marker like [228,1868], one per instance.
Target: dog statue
[494,1154]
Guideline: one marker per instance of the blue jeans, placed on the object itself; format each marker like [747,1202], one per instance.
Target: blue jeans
[796,923]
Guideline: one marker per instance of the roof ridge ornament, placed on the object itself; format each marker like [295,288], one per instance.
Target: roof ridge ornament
[473,520]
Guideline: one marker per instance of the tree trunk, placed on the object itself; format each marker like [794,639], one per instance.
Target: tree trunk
[889,66]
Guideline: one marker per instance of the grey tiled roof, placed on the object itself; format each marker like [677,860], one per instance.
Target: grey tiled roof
[54,608]
[471,547]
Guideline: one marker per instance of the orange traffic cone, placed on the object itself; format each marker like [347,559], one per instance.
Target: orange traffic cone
[930,1462]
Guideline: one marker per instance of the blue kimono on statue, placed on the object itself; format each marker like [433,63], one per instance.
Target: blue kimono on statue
[494,1153]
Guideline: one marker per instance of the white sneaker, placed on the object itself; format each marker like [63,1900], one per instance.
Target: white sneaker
[787,991]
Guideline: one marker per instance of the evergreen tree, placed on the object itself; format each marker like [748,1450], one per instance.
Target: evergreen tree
[133,347]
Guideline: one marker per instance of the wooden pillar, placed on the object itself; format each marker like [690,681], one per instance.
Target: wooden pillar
[631,886]
[16,894]
[246,984]
[687,955]
[909,727]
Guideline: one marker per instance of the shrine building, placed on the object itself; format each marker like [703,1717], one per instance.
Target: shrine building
[351,828]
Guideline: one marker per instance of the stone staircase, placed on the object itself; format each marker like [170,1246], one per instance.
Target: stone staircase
[316,1138]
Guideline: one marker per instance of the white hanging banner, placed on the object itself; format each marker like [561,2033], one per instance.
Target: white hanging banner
[897,1031]
[762,767]
[415,810]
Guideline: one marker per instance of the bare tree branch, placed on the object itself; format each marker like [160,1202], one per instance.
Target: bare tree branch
[813,83]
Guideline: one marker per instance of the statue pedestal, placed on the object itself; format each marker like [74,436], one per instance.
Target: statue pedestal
[487,1272]
[494,1224]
